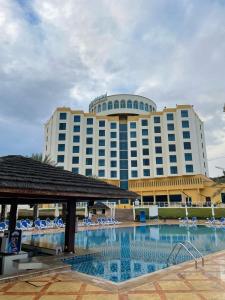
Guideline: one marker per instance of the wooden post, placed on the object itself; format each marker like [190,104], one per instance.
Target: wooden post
[64,210]
[12,217]
[70,226]
[3,212]
[35,212]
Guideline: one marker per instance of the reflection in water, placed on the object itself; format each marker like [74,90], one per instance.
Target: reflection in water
[130,252]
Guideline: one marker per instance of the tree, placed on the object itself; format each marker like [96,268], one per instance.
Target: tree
[46,160]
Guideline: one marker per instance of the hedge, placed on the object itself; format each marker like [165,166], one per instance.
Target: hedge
[175,213]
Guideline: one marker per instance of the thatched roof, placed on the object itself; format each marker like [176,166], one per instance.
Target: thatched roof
[99,205]
[24,177]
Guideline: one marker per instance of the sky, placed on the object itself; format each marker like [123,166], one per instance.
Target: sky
[65,53]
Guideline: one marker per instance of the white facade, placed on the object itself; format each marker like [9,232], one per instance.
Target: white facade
[124,137]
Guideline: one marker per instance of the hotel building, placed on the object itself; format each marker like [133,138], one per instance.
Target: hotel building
[125,140]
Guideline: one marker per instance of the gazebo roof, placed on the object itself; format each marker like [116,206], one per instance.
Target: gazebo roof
[31,181]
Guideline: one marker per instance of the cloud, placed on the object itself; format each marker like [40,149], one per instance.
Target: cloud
[55,53]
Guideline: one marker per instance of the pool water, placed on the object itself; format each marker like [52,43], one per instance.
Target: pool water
[125,253]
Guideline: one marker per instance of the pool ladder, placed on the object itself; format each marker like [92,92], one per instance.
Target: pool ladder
[190,249]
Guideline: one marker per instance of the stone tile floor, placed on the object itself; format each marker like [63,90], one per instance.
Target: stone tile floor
[182,282]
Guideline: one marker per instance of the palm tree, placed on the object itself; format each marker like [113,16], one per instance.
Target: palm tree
[46,160]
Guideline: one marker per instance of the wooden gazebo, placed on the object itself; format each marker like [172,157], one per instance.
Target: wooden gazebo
[26,181]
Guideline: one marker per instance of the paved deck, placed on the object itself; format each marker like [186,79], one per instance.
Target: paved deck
[182,282]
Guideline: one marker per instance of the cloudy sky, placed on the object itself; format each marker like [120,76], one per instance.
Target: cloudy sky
[64,53]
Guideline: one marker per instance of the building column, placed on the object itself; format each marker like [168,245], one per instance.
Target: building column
[12,217]
[154,199]
[70,226]
[168,198]
[141,200]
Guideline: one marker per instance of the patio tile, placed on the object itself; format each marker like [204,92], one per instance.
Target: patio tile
[213,295]
[69,287]
[194,275]
[93,288]
[3,285]
[206,285]
[145,287]
[101,297]
[24,287]
[16,297]
[59,297]
[173,285]
[144,297]
[182,296]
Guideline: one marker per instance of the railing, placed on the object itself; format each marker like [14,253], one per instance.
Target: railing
[189,251]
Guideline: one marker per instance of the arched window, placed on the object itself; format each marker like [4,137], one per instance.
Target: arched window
[141,106]
[135,105]
[129,104]
[116,104]
[99,108]
[153,108]
[122,104]
[146,107]
[104,106]
[110,105]
[150,108]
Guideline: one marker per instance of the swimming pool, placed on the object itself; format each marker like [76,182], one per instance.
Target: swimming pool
[125,253]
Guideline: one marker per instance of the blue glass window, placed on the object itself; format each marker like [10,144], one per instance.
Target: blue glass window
[133,144]
[123,145]
[122,104]
[113,125]
[144,122]
[101,173]
[116,104]
[76,149]
[88,161]
[134,163]
[169,116]
[76,139]
[88,172]
[62,116]
[113,153]
[113,174]
[188,156]
[101,152]
[101,162]
[101,132]
[129,104]
[123,164]
[145,142]
[113,135]
[133,153]
[123,135]
[173,170]
[90,130]
[62,126]
[133,134]
[113,144]
[76,118]
[144,131]
[62,136]
[156,119]
[113,163]
[135,105]
[159,160]
[104,106]
[187,145]
[158,149]
[185,124]
[89,141]
[170,126]
[123,155]
[145,151]
[61,147]
[101,123]
[157,129]
[89,121]
[75,170]
[172,148]
[124,185]
[76,128]
[133,125]
[186,134]
[123,127]
[184,113]
[159,171]
[101,142]
[89,151]
[60,158]
[75,160]
[146,162]
[141,105]
[110,106]
[123,174]
[146,172]
[173,158]
[158,139]
[171,137]
[189,169]
[134,173]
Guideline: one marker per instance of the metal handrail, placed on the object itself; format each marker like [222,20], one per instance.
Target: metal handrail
[187,250]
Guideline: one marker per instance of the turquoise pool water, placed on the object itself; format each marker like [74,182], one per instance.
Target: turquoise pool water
[125,253]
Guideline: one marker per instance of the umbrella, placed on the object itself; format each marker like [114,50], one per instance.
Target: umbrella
[213,211]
